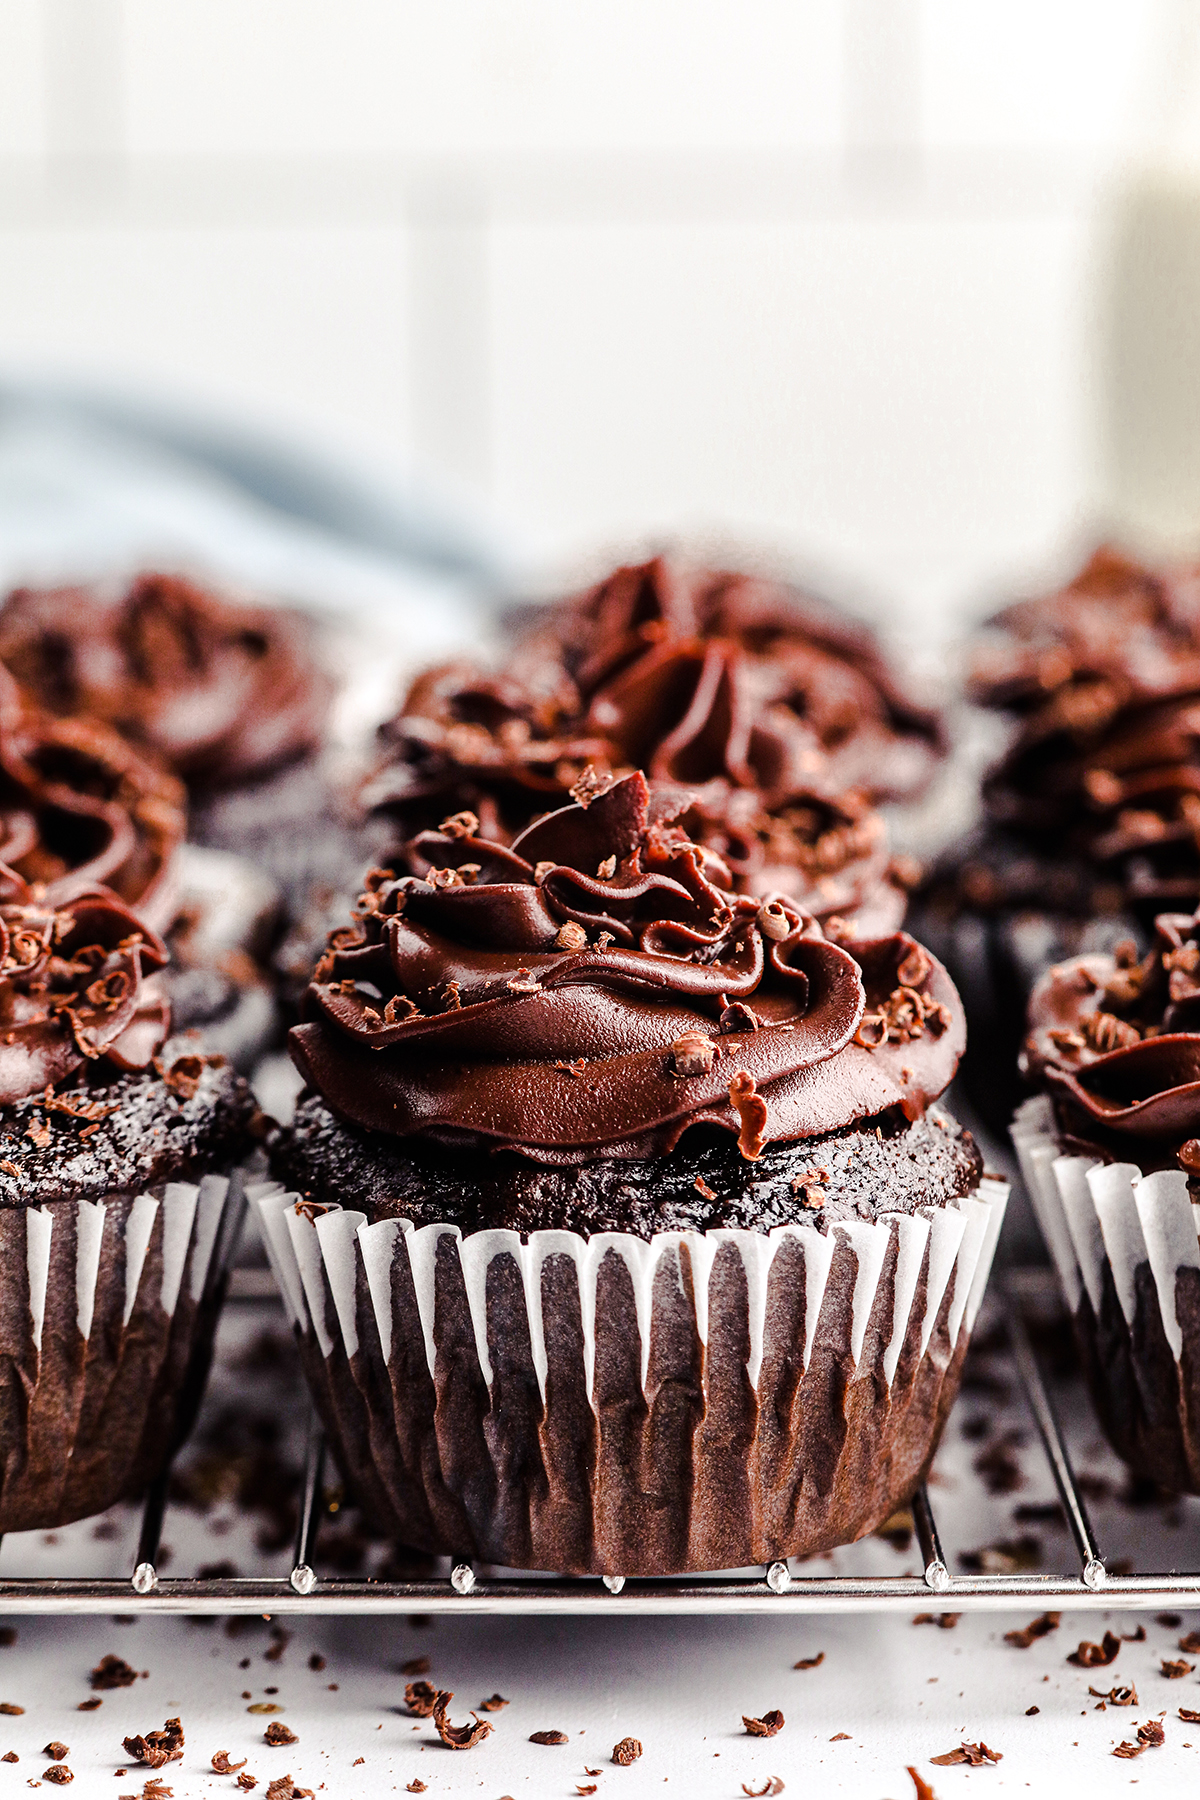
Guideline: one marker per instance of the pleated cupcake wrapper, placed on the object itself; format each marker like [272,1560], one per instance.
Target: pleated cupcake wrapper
[1127,1250]
[351,1288]
[106,1315]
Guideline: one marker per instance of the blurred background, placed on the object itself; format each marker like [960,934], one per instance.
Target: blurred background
[516,282]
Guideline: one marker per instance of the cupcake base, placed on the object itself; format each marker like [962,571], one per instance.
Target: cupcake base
[624,1405]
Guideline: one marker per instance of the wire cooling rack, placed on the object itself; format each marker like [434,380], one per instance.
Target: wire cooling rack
[304,1588]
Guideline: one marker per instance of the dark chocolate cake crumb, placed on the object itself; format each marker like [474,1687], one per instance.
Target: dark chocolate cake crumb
[767,1726]
[879,1168]
[153,1134]
[626,1752]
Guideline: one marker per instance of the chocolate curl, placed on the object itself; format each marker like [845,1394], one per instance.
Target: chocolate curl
[751,1109]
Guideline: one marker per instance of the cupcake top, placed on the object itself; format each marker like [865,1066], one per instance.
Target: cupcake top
[78,806]
[221,691]
[1115,1040]
[783,722]
[596,988]
[1105,678]
[74,991]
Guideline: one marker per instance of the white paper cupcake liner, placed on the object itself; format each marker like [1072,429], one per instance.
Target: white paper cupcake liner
[107,1313]
[1127,1252]
[612,1405]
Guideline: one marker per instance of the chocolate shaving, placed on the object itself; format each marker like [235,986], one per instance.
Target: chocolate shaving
[1175,1671]
[493,1704]
[751,1109]
[810,1662]
[767,1726]
[1191,1641]
[974,1755]
[9,1710]
[1191,1718]
[284,1788]
[1116,1696]
[944,1621]
[157,1747]
[626,1752]
[549,1737]
[278,1733]
[55,1751]
[1150,1736]
[458,1737]
[222,1764]
[416,1665]
[58,1774]
[416,1786]
[1096,1656]
[421,1697]
[924,1791]
[1037,1628]
[772,1785]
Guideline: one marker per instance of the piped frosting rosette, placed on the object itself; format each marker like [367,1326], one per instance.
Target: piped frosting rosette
[603,1401]
[784,721]
[1110,1153]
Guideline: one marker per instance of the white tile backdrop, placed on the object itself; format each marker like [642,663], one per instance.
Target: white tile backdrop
[812,273]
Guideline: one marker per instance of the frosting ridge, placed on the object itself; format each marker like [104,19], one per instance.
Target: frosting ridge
[595,988]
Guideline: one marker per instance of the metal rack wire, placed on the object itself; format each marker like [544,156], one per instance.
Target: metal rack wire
[782,1585]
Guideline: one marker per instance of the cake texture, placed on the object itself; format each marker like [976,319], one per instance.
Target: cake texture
[783,722]
[219,690]
[1110,1150]
[119,1201]
[619,1227]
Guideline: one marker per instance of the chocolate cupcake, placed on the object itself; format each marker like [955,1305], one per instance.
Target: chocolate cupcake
[1092,814]
[618,1226]
[220,691]
[783,722]
[79,806]
[119,1202]
[1110,1151]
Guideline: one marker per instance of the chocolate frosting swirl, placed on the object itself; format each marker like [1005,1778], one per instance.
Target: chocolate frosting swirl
[79,806]
[784,721]
[74,990]
[1105,677]
[221,691]
[1116,1039]
[594,989]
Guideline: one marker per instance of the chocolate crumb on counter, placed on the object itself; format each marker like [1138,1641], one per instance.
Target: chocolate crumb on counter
[316,1662]
[9,1710]
[626,1752]
[772,1785]
[284,1788]
[1031,1710]
[924,1791]
[277,1733]
[90,1705]
[416,1665]
[55,1751]
[10,1756]
[1136,1636]
[1175,1671]
[157,1747]
[493,1704]
[1150,1736]
[1189,1717]
[58,1773]
[222,1764]
[458,1737]
[549,1737]
[810,1662]
[1116,1696]
[840,1737]
[767,1726]
[415,1786]
[974,1755]
[1040,1627]
[112,1672]
[421,1697]
[1096,1656]
[247,1781]
[1191,1641]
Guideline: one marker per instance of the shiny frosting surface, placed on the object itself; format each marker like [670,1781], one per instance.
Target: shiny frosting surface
[76,989]
[220,690]
[78,806]
[595,988]
[1116,1038]
[783,722]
